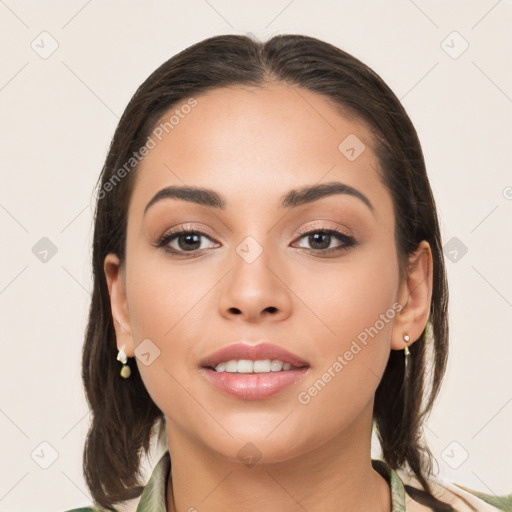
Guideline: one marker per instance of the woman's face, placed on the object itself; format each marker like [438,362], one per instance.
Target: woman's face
[254,276]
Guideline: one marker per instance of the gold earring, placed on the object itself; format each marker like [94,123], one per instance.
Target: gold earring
[125,370]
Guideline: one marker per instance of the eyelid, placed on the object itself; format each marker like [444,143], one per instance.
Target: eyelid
[323,227]
[187,226]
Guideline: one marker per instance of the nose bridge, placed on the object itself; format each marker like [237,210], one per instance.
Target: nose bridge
[253,262]
[257,235]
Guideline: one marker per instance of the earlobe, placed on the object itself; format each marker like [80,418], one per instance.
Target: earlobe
[118,303]
[415,297]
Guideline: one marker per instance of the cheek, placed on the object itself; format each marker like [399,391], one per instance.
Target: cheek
[167,310]
[352,295]
[163,296]
[356,305]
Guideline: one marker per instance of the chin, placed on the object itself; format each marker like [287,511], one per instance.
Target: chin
[264,446]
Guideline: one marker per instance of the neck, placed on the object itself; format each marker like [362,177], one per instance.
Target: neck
[336,475]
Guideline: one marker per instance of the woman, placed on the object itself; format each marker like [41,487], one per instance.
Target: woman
[268,286]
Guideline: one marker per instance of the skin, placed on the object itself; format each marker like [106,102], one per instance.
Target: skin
[252,145]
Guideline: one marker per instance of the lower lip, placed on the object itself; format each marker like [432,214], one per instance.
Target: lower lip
[254,386]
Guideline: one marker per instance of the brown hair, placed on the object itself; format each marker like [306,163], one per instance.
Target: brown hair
[124,417]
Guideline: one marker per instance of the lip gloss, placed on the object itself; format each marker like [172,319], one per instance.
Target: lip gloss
[253,386]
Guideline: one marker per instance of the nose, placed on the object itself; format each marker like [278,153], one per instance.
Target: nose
[257,290]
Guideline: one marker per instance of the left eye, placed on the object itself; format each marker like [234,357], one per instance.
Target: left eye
[322,238]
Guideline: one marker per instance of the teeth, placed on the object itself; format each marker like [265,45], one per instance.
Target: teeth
[276,366]
[265,366]
[221,367]
[231,366]
[245,366]
[248,366]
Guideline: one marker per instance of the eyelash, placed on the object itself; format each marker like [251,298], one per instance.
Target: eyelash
[163,241]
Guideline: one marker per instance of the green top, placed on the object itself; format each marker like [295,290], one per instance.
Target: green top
[461,498]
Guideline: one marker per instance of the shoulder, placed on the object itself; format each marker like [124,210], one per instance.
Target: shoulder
[497,502]
[152,498]
[460,497]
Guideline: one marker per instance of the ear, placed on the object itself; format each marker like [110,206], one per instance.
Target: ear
[114,273]
[414,295]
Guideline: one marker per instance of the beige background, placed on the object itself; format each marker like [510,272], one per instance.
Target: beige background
[58,112]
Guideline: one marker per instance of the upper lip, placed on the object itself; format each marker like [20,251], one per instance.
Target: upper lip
[257,352]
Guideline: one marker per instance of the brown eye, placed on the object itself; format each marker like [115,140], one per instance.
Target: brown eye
[320,240]
[182,241]
[188,241]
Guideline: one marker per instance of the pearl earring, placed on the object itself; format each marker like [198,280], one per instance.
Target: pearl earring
[125,370]
[407,353]
[407,338]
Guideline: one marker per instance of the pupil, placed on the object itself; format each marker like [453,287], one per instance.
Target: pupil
[314,239]
[196,244]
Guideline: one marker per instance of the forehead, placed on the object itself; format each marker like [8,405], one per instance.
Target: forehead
[249,141]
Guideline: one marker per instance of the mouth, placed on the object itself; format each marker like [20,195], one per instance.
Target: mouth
[253,372]
[243,357]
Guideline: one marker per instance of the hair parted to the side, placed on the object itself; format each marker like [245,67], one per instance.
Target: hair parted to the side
[124,417]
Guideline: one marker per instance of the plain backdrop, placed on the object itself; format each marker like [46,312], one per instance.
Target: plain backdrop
[68,69]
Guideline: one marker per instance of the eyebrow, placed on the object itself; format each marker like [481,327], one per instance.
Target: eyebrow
[292,199]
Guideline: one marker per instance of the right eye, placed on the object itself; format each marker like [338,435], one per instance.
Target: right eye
[185,241]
